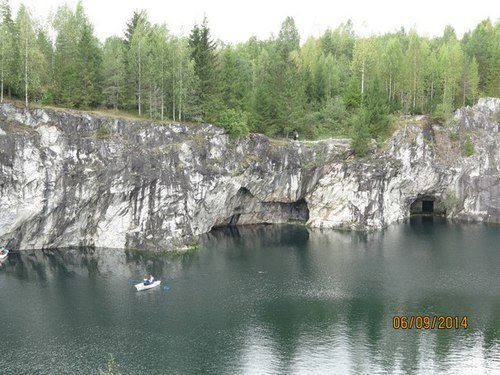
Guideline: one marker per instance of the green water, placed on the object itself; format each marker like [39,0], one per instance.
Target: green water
[261,300]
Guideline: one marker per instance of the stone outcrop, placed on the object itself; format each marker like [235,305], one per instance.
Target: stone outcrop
[73,179]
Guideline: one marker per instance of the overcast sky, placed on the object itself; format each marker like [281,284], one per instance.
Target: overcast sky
[236,21]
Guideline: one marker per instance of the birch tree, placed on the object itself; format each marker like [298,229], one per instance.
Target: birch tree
[26,39]
[114,72]
[139,49]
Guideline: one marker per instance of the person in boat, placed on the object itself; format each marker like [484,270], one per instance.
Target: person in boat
[149,280]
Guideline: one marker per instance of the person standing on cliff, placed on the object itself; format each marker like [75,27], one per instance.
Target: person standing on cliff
[295,135]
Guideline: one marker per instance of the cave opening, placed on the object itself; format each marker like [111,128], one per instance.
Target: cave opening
[427,205]
[248,209]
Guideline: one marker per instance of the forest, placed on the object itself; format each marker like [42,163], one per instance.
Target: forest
[338,84]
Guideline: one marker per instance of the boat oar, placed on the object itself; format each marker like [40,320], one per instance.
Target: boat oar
[135,281]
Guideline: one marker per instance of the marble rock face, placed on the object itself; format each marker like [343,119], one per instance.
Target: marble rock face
[72,179]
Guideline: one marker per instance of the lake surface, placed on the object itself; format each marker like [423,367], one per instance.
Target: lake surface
[261,300]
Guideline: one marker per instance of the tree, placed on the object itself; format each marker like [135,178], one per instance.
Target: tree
[362,59]
[376,114]
[139,49]
[361,134]
[450,59]
[235,78]
[26,39]
[264,108]
[7,48]
[234,121]
[285,82]
[77,59]
[184,82]
[481,45]
[90,64]
[470,81]
[321,73]
[114,72]
[203,54]
[392,57]
[156,71]
[288,37]
[137,18]
[415,59]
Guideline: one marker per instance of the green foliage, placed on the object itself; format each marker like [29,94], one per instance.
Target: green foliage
[468,147]
[29,74]
[234,121]
[112,367]
[203,54]
[376,111]
[330,120]
[114,72]
[352,95]
[77,60]
[103,132]
[361,133]
[336,84]
[8,49]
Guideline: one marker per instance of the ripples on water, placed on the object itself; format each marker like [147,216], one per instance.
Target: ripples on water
[260,300]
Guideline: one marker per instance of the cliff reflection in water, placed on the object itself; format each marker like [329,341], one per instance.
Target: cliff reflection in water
[44,265]
[261,299]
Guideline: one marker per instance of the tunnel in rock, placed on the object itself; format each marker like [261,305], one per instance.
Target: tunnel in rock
[427,205]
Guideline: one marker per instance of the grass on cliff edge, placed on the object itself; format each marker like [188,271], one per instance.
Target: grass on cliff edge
[101,112]
[395,123]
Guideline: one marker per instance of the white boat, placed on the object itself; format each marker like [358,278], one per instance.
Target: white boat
[141,286]
[3,254]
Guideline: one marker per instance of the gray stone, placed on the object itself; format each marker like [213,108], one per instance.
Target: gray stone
[160,186]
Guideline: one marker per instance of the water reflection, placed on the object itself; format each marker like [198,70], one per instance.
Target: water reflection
[262,299]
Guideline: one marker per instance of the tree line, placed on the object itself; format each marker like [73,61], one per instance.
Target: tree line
[335,84]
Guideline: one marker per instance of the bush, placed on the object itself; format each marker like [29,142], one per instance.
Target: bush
[443,112]
[234,121]
[334,113]
[103,132]
[468,149]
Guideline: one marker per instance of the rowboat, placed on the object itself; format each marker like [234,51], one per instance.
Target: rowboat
[3,254]
[141,286]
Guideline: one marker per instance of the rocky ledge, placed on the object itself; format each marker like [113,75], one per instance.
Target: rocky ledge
[69,178]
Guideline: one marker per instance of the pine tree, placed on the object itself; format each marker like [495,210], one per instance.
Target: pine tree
[376,110]
[90,64]
[137,18]
[77,59]
[203,54]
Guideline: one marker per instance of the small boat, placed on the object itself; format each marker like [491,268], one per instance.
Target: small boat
[3,254]
[141,286]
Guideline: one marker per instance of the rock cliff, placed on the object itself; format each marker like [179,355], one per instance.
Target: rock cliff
[73,179]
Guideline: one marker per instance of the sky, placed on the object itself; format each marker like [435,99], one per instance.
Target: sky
[236,21]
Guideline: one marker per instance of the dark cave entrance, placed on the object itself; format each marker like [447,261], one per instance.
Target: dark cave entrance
[247,210]
[427,205]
